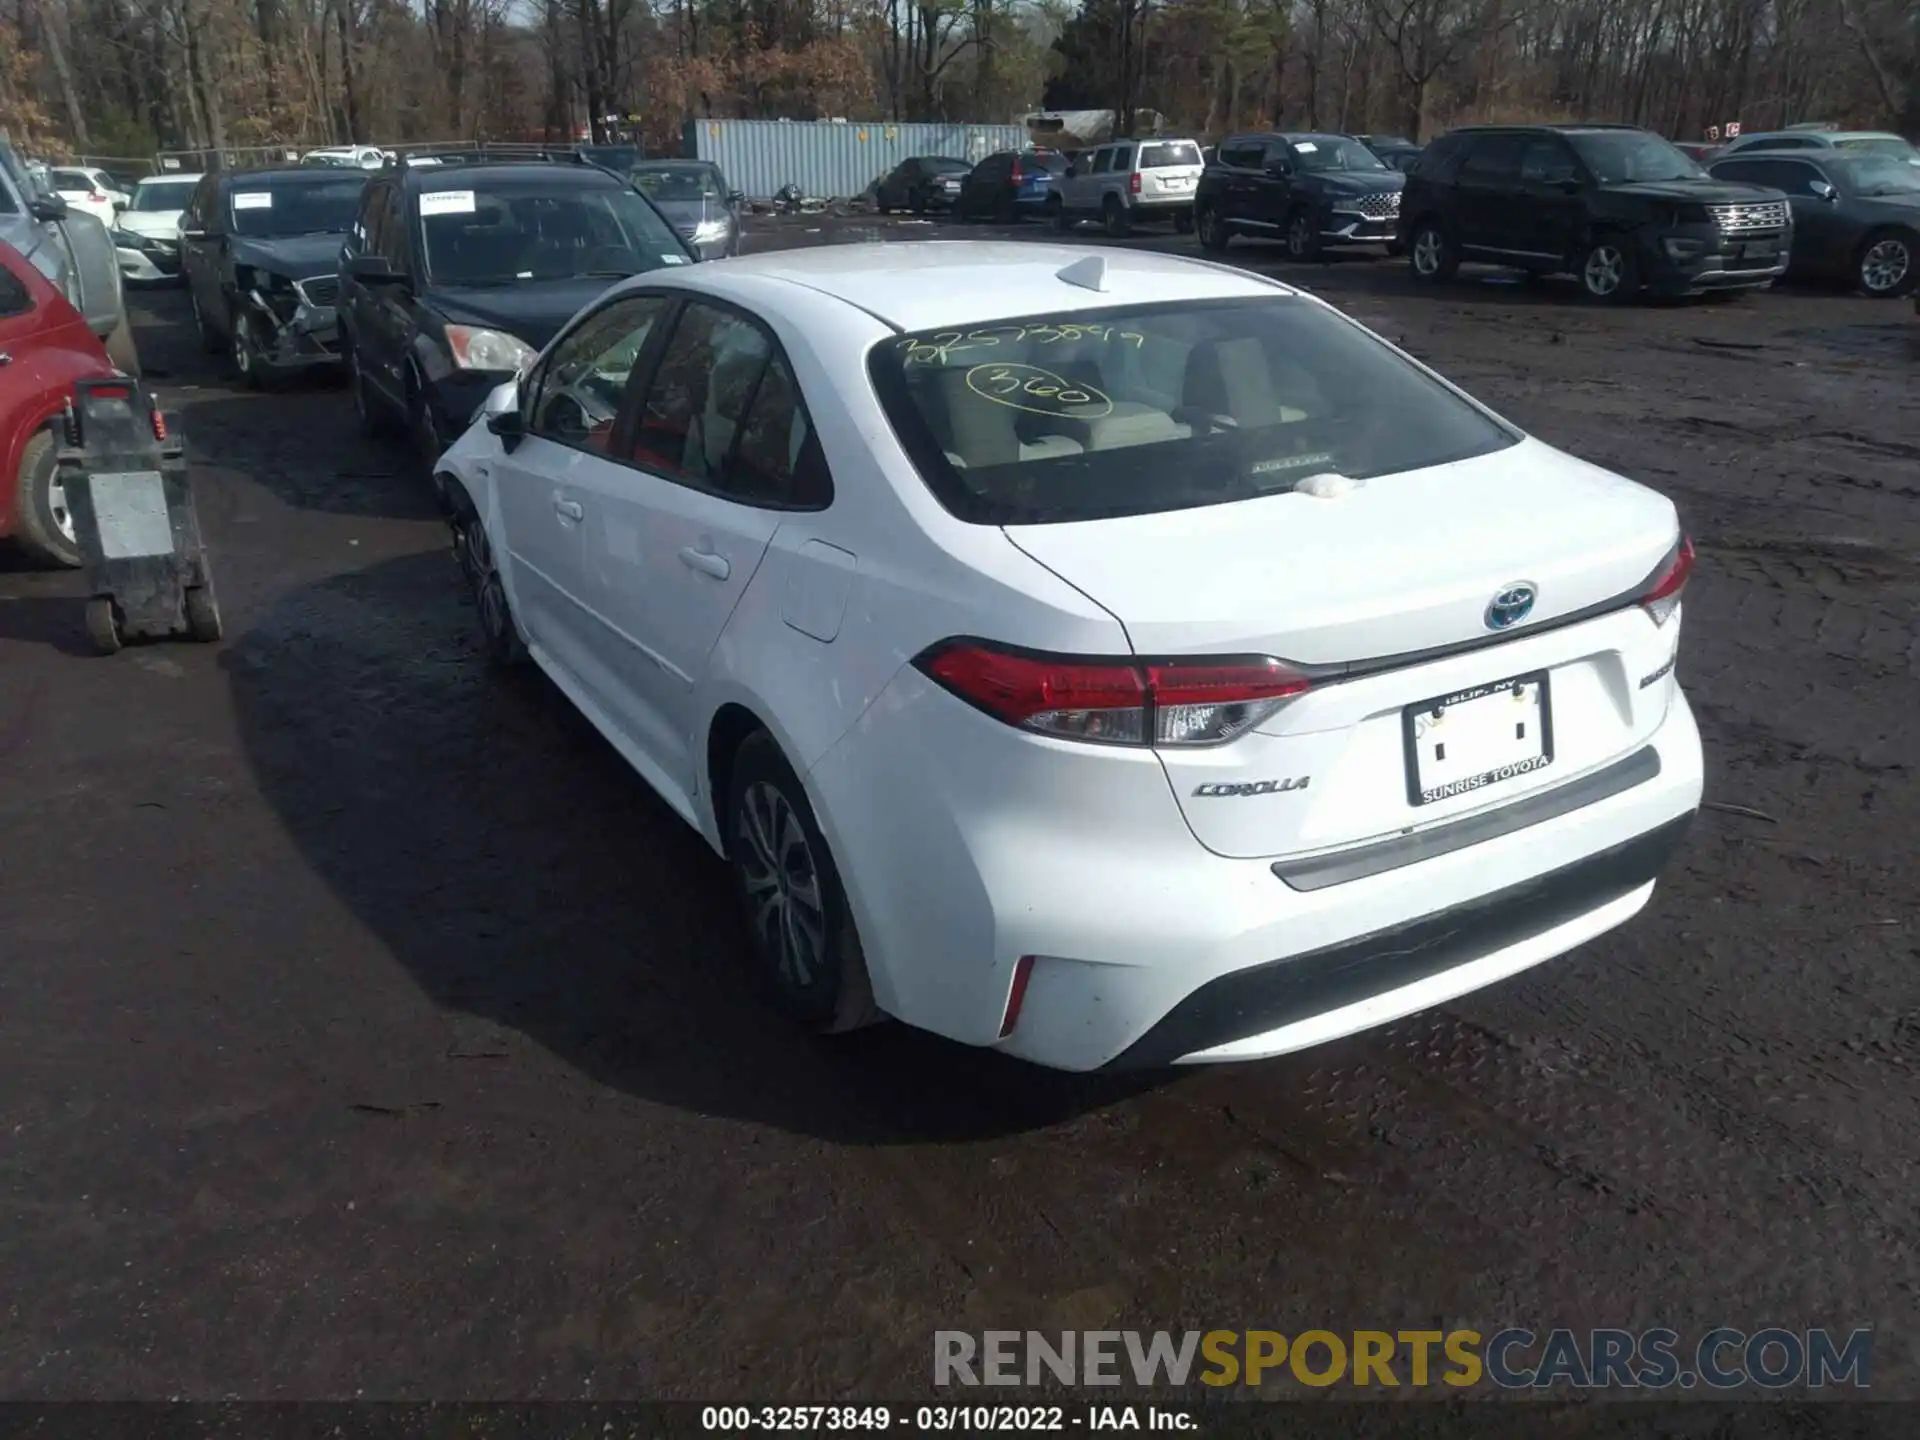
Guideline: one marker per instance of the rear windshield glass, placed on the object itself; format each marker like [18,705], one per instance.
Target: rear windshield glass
[682,183]
[1051,161]
[1090,414]
[1177,152]
[163,194]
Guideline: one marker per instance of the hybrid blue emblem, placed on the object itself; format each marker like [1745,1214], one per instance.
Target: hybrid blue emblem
[1511,605]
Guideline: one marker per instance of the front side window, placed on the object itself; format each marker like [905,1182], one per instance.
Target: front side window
[1619,157]
[264,210]
[1090,414]
[1547,162]
[722,413]
[586,377]
[15,298]
[1324,152]
[511,234]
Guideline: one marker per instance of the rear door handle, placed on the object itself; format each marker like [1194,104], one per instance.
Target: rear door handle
[569,509]
[706,562]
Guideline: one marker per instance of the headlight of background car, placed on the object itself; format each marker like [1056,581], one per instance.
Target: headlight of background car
[477,349]
[710,232]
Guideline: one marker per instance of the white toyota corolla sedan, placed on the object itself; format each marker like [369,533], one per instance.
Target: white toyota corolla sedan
[1117,659]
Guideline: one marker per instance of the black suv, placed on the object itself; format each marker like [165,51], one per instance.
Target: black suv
[454,276]
[1310,190]
[1617,207]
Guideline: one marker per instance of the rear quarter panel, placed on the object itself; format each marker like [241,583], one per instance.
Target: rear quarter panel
[40,381]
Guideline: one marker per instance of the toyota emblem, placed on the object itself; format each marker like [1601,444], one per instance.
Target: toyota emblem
[1510,605]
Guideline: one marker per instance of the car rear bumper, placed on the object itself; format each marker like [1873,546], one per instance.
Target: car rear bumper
[963,853]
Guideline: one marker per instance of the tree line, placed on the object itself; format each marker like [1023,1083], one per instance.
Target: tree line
[129,77]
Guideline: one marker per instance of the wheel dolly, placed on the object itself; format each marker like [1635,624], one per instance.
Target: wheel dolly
[134,519]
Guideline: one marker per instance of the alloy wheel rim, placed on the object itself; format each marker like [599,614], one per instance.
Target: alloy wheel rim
[242,350]
[488,592]
[1885,265]
[1426,252]
[57,508]
[1603,270]
[782,884]
[1297,236]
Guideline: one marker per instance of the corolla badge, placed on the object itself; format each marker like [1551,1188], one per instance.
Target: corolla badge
[1510,605]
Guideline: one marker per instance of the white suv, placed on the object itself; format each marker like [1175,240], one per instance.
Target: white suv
[1104,656]
[1130,182]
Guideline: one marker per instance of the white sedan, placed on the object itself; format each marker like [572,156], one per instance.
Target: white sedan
[1116,659]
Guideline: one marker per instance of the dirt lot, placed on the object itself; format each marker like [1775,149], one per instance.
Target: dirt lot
[366,1029]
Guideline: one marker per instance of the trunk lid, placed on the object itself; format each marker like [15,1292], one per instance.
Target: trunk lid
[1393,581]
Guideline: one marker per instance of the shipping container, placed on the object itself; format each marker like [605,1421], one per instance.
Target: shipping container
[832,159]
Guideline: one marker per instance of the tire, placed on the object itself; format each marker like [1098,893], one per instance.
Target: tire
[474,551]
[917,202]
[798,925]
[422,428]
[1432,256]
[370,412]
[243,355]
[210,341]
[1303,238]
[1114,217]
[1887,265]
[103,625]
[1214,234]
[121,350]
[1057,214]
[203,614]
[1003,211]
[44,528]
[1607,272]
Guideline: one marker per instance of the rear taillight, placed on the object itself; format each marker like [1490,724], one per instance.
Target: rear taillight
[1663,595]
[1119,701]
[97,198]
[1133,183]
[1018,173]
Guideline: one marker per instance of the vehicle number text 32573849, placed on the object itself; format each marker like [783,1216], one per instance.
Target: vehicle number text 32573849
[920,1420]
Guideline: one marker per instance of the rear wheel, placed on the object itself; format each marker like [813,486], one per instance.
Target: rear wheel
[797,916]
[1057,214]
[1113,215]
[45,525]
[1886,265]
[1433,255]
[1214,234]
[1003,211]
[918,202]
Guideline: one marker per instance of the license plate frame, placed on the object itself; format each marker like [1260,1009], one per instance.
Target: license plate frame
[1410,739]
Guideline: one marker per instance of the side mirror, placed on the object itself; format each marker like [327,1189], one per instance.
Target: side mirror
[1823,190]
[503,399]
[736,197]
[509,427]
[374,270]
[47,207]
[119,207]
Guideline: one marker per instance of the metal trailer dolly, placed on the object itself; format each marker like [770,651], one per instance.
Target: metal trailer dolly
[134,519]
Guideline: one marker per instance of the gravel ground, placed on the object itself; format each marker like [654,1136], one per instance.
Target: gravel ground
[367,1029]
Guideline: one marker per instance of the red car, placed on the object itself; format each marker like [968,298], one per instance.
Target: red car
[44,347]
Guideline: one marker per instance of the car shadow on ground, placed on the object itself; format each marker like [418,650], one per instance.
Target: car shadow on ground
[525,877]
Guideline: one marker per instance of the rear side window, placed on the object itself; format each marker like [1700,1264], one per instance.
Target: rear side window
[1122,159]
[1176,152]
[1494,160]
[1091,414]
